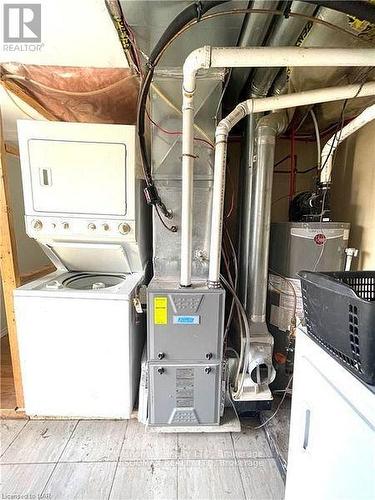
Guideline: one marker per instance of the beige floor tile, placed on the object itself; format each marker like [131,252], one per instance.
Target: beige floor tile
[8,432]
[84,481]
[205,446]
[95,441]
[209,480]
[261,479]
[24,480]
[251,443]
[156,480]
[40,441]
[141,444]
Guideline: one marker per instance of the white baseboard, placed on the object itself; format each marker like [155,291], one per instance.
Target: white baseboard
[3,332]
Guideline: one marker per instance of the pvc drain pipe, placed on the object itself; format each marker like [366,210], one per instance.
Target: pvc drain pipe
[257,106]
[220,57]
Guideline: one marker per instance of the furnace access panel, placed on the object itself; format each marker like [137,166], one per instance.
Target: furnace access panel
[185,336]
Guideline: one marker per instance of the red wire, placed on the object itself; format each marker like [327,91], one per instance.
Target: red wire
[292,179]
[176,132]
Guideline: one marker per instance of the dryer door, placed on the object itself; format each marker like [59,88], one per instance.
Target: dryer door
[78,177]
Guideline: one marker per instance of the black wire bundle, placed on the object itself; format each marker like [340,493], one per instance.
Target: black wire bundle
[193,11]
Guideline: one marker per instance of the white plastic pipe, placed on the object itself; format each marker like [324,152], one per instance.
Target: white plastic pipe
[221,136]
[329,149]
[220,57]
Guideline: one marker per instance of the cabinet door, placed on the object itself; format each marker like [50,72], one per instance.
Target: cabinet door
[184,394]
[332,446]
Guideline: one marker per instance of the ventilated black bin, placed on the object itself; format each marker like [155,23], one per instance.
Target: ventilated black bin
[340,315]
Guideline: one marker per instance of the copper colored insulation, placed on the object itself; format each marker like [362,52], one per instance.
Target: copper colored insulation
[100,95]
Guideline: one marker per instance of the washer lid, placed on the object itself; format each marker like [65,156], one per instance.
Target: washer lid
[93,281]
[93,257]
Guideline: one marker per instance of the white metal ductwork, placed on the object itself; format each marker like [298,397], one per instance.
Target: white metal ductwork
[219,57]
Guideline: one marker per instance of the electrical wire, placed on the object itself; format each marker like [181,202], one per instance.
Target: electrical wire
[317,135]
[172,229]
[164,43]
[273,12]
[285,391]
[234,284]
[230,349]
[177,132]
[293,319]
[124,33]
[247,332]
[193,11]
[242,335]
[336,139]
[161,94]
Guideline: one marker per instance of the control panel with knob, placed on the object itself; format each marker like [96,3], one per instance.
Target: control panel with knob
[37,225]
[124,228]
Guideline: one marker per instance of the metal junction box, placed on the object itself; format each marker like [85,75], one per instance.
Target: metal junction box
[185,337]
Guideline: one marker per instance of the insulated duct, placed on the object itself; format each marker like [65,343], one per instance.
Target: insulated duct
[361,9]
[254,30]
[285,34]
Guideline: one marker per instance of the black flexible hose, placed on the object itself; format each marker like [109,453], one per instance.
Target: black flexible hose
[363,10]
[193,11]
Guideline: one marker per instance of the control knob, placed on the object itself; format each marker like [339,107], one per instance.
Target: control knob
[37,225]
[91,226]
[124,228]
[65,225]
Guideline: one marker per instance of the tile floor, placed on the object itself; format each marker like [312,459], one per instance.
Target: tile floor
[63,459]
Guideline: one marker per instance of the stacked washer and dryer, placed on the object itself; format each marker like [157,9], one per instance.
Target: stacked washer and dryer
[81,328]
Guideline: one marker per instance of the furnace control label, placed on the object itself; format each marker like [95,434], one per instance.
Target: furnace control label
[186,320]
[160,310]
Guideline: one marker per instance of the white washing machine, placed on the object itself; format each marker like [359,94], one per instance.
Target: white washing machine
[80,341]
[80,336]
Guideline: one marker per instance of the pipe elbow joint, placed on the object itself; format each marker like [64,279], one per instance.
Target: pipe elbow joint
[196,60]
[222,129]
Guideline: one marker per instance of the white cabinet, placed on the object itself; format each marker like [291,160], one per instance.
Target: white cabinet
[332,434]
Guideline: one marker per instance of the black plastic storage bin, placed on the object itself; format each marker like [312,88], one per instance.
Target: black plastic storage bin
[340,315]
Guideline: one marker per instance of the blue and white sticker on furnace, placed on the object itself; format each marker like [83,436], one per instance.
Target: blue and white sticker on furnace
[186,320]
